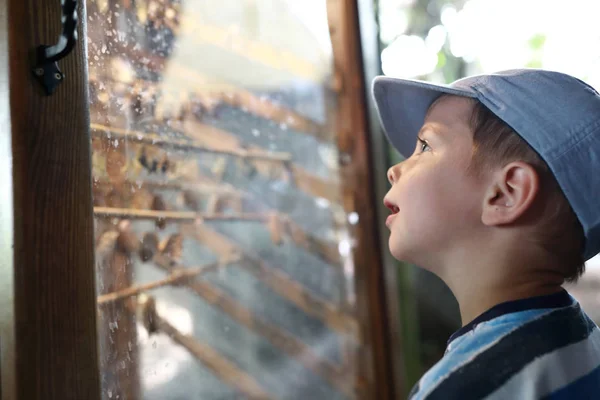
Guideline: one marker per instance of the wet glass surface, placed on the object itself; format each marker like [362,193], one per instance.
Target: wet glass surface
[221,241]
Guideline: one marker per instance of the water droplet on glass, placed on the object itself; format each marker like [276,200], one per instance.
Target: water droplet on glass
[322,202]
[104,48]
[113,325]
[256,132]
[344,247]
[353,218]
[283,126]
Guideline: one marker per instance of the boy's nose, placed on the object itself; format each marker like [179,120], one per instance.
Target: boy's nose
[393,173]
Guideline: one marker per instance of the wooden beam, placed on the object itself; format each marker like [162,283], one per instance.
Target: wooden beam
[56,344]
[375,376]
[221,367]
[8,356]
[282,340]
[279,282]
[155,139]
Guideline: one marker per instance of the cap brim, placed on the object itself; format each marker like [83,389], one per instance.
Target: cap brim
[402,105]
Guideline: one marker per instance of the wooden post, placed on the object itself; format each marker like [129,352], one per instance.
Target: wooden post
[374,376]
[7,317]
[55,296]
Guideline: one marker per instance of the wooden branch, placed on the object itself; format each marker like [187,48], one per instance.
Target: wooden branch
[284,341]
[328,252]
[225,142]
[182,216]
[176,277]
[116,273]
[205,188]
[318,187]
[154,139]
[223,368]
[221,92]
[217,138]
[280,282]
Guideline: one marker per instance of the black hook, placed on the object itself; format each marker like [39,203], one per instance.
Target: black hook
[46,69]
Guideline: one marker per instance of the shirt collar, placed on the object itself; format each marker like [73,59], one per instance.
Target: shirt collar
[555,300]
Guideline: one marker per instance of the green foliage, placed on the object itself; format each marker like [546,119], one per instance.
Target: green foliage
[441,60]
[537,41]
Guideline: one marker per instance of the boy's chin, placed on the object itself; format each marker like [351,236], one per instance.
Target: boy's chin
[400,252]
[407,254]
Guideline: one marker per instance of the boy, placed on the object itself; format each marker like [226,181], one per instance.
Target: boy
[500,198]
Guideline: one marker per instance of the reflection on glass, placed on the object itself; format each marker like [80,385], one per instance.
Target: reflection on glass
[223,254]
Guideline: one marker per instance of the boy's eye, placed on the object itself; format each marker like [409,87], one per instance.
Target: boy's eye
[424,145]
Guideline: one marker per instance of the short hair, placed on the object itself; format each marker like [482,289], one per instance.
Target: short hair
[496,144]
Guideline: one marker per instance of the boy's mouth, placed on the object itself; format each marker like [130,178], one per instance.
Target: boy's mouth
[393,208]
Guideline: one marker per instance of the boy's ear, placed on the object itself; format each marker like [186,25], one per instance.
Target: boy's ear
[511,193]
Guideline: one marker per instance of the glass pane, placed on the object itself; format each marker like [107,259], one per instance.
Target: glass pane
[223,248]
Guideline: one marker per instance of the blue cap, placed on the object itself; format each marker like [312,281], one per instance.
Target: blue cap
[556,114]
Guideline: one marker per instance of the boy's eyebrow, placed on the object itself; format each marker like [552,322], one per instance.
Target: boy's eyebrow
[429,127]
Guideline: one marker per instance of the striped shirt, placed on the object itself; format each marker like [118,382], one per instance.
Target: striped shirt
[538,348]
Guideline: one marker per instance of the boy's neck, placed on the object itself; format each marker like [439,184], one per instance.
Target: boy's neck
[492,279]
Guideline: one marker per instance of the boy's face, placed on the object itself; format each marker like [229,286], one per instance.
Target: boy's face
[438,202]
